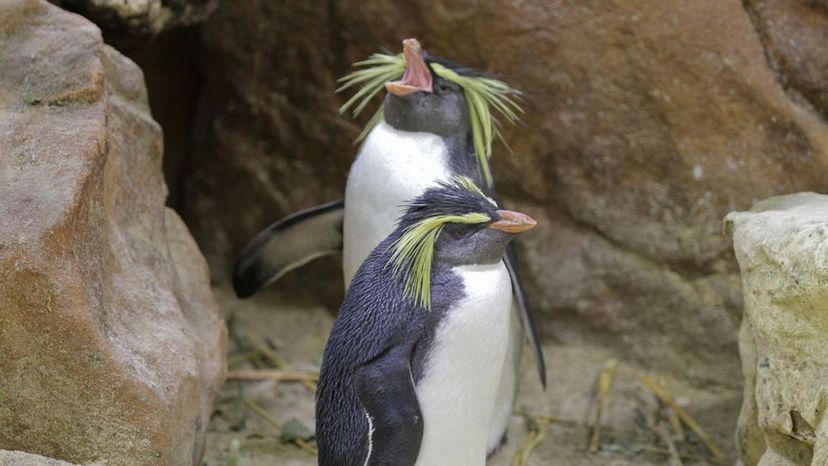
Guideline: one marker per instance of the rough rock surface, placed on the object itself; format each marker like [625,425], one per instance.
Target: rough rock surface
[139,18]
[646,122]
[794,33]
[782,248]
[111,344]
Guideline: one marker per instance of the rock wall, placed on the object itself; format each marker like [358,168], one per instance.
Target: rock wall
[782,248]
[645,123]
[111,342]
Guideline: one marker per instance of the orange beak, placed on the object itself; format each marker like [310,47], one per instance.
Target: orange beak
[417,76]
[513,222]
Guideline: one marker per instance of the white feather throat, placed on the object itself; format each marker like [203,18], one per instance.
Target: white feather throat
[393,167]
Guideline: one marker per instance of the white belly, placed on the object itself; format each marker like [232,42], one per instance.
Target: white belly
[463,369]
[393,167]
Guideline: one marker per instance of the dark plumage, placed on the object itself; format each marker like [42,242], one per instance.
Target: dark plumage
[457,68]
[448,199]
[379,343]
[375,319]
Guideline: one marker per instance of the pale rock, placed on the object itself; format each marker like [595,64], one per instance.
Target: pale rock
[782,248]
[19,458]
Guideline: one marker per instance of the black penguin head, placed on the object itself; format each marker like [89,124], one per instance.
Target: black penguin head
[451,224]
[422,101]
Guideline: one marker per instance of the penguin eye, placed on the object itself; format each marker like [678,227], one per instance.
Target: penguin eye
[459,231]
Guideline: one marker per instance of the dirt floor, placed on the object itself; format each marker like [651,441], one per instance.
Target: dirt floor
[270,423]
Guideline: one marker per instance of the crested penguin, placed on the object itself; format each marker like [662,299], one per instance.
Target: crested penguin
[411,369]
[434,124]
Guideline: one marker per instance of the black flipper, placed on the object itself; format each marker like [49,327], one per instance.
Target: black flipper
[525,315]
[386,390]
[287,244]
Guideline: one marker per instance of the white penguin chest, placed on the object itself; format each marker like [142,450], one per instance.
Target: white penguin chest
[458,390]
[392,168]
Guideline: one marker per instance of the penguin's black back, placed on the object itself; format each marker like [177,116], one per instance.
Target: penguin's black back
[374,318]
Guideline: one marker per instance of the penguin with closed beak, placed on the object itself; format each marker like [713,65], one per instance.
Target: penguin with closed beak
[411,370]
[437,121]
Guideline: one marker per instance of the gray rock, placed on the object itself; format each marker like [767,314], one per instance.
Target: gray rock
[782,248]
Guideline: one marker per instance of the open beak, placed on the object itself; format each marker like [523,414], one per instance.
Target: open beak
[513,222]
[417,76]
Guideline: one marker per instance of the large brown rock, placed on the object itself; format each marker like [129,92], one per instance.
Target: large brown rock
[646,122]
[111,343]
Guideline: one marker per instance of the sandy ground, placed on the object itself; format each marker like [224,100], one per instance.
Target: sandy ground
[296,334]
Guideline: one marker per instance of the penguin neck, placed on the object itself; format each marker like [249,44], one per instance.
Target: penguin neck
[461,155]
[461,158]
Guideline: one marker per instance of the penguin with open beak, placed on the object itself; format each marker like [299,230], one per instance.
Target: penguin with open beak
[411,370]
[435,123]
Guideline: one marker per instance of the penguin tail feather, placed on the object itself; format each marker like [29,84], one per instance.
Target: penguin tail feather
[288,244]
